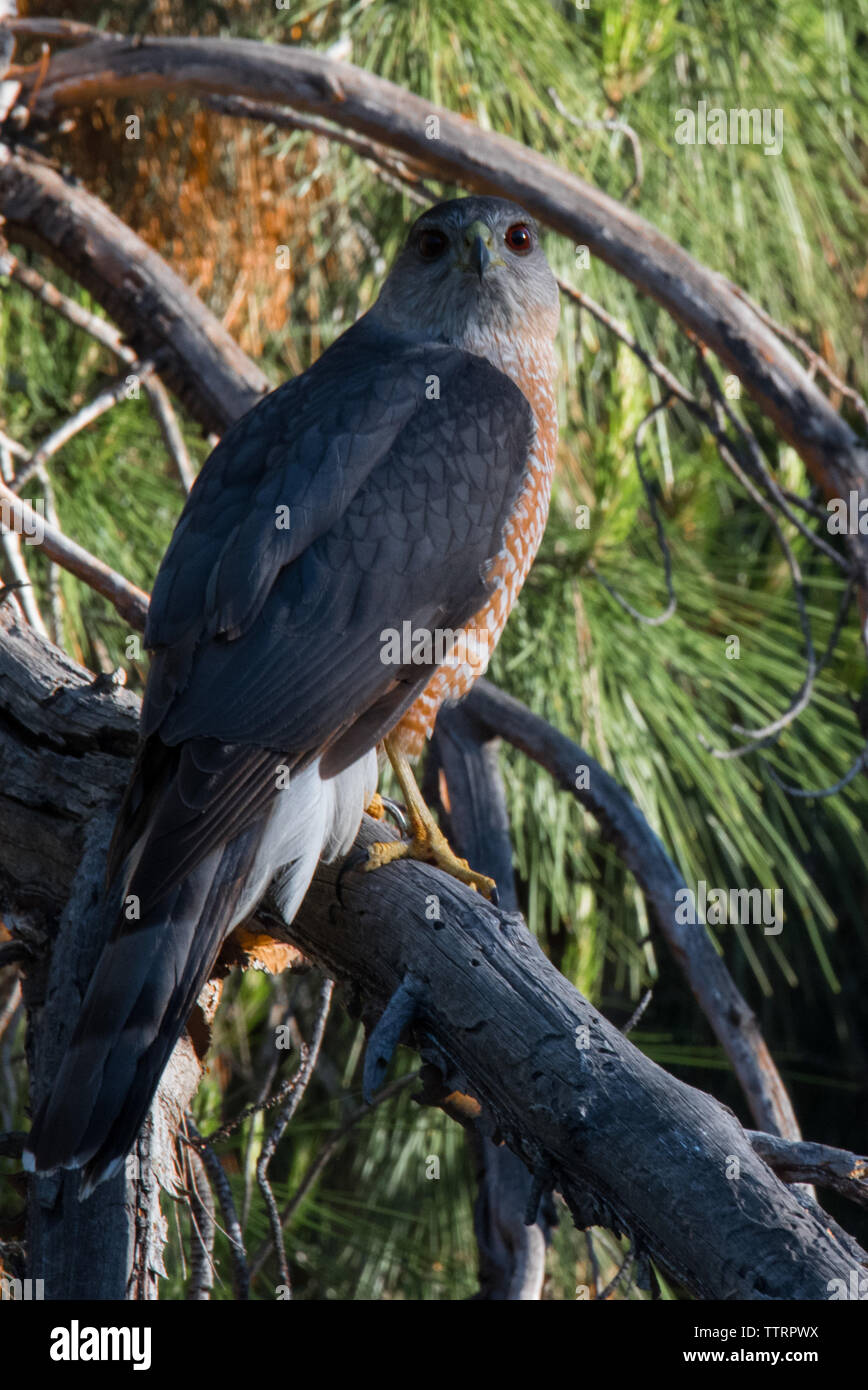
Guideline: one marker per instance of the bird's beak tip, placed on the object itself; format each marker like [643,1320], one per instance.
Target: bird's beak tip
[479,257]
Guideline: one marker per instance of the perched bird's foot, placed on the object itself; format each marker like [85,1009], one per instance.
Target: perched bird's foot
[430,845]
[377,808]
[426,840]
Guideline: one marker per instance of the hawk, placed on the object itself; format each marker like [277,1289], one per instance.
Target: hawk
[399,486]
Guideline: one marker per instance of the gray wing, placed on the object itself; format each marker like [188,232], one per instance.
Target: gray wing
[271,636]
[267,641]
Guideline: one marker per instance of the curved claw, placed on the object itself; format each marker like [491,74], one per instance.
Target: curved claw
[398,813]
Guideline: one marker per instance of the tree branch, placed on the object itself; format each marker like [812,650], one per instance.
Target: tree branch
[641,850]
[702,301]
[130,602]
[836,1169]
[158,314]
[628,1146]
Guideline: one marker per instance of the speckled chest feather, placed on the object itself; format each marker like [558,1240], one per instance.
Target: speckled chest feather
[531,365]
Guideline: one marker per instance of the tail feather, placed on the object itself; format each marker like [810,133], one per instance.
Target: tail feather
[145,984]
[151,971]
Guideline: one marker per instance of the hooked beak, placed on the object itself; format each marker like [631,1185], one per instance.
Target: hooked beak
[478,246]
[480,257]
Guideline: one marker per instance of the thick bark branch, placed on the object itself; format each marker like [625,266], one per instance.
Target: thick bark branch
[626,828]
[704,302]
[224,390]
[627,1145]
[158,314]
[462,778]
[65,748]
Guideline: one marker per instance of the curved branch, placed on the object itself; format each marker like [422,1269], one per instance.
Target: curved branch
[628,1146]
[702,300]
[157,313]
[641,850]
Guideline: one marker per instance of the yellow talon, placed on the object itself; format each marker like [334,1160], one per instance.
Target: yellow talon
[428,843]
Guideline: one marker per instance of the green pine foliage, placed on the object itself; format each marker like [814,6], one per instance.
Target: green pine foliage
[647,701]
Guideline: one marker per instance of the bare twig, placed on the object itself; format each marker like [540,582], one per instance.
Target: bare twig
[98,328]
[10,1007]
[130,602]
[158,397]
[803,695]
[106,334]
[301,1080]
[610,124]
[324,1154]
[625,1267]
[10,541]
[241,1273]
[819,363]
[860,765]
[658,526]
[636,1016]
[15,449]
[801,1162]
[69,29]
[103,401]
[266,1102]
[285,119]
[620,330]
[160,316]
[202,1228]
[55,593]
[760,470]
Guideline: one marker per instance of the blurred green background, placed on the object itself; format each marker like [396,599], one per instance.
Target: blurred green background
[216,197]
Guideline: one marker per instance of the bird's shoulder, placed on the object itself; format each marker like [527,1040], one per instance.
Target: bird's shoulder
[288,470]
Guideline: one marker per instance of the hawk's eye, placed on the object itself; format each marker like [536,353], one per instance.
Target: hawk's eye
[519,239]
[431,244]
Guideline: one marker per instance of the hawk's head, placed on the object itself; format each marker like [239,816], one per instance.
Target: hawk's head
[471,268]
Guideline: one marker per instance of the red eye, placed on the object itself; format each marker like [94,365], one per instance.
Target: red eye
[519,239]
[430,244]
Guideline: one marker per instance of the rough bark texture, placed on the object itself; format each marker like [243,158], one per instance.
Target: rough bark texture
[65,749]
[463,779]
[626,828]
[628,1146]
[701,300]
